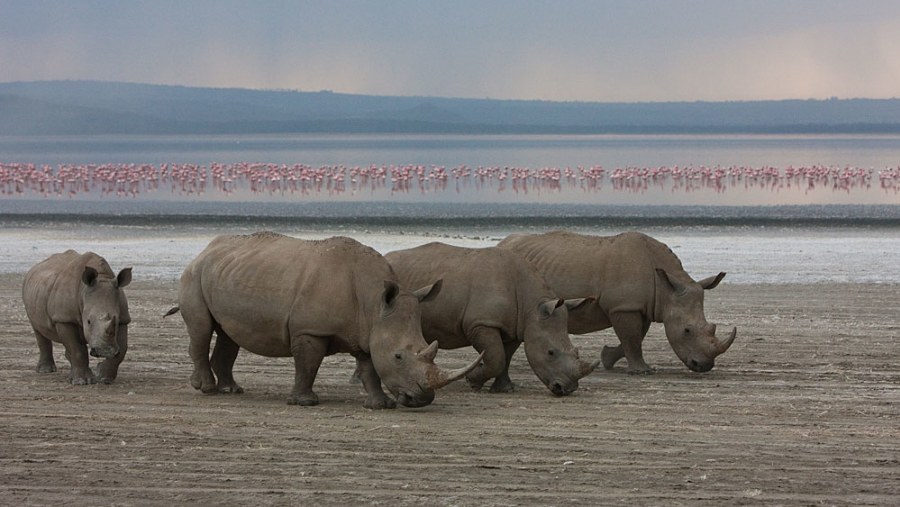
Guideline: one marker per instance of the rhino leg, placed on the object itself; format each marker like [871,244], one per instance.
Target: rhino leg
[487,340]
[631,327]
[46,364]
[376,399]
[108,369]
[611,355]
[308,352]
[200,328]
[502,383]
[76,352]
[224,354]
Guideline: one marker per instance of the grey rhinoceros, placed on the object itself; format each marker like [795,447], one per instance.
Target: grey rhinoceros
[494,300]
[279,296]
[640,280]
[76,299]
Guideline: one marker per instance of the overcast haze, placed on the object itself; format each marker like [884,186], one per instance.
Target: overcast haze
[575,50]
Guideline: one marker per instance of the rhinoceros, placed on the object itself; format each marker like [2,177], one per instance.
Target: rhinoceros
[279,296]
[640,280]
[494,300]
[76,299]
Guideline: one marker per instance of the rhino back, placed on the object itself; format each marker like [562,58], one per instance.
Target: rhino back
[481,286]
[51,290]
[263,287]
[619,268]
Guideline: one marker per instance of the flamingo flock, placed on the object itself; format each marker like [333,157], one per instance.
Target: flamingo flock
[132,180]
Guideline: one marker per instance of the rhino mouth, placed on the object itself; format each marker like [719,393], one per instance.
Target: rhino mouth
[415,401]
[103,351]
[700,367]
[558,389]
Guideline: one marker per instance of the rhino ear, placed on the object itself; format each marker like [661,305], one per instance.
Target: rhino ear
[676,287]
[429,292]
[572,304]
[549,306]
[89,276]
[712,282]
[124,278]
[391,291]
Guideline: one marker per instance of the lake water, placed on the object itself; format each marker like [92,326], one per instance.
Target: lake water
[867,152]
[784,235]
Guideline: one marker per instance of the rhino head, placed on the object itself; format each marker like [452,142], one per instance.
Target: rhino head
[692,338]
[101,301]
[548,349]
[400,354]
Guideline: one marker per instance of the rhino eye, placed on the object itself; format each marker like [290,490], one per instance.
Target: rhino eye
[687,330]
[550,352]
[398,355]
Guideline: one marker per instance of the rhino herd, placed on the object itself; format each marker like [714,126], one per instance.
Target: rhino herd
[278,296]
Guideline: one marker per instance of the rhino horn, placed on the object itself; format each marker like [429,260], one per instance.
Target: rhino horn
[438,377]
[587,368]
[724,344]
[429,352]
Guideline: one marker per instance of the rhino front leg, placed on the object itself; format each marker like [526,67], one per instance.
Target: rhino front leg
[487,340]
[76,352]
[108,369]
[376,399]
[308,352]
[46,364]
[631,328]
[222,362]
[502,383]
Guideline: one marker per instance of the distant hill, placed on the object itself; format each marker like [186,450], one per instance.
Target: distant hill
[93,107]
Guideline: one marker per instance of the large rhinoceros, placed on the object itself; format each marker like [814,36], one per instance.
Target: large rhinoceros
[76,299]
[279,296]
[640,280]
[494,300]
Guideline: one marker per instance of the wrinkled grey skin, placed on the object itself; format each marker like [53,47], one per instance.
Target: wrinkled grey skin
[76,299]
[494,300]
[278,296]
[639,281]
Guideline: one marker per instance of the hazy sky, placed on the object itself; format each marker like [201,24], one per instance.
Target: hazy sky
[651,50]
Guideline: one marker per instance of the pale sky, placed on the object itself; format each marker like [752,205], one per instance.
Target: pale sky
[638,50]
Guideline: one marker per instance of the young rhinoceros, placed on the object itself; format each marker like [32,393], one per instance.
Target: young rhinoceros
[278,296]
[76,299]
[639,280]
[493,300]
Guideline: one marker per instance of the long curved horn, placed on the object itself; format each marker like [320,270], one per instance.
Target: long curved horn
[724,344]
[437,377]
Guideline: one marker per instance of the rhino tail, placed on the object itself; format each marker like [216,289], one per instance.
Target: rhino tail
[172,311]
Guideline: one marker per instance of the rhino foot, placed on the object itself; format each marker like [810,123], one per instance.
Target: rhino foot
[205,383]
[304,400]
[46,368]
[230,388]
[82,380]
[502,386]
[380,403]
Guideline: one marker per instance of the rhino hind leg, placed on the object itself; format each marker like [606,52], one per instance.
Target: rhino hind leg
[108,369]
[199,325]
[502,383]
[46,364]
[308,352]
[376,399]
[631,327]
[224,354]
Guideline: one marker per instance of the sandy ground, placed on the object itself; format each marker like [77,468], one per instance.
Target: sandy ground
[803,410]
